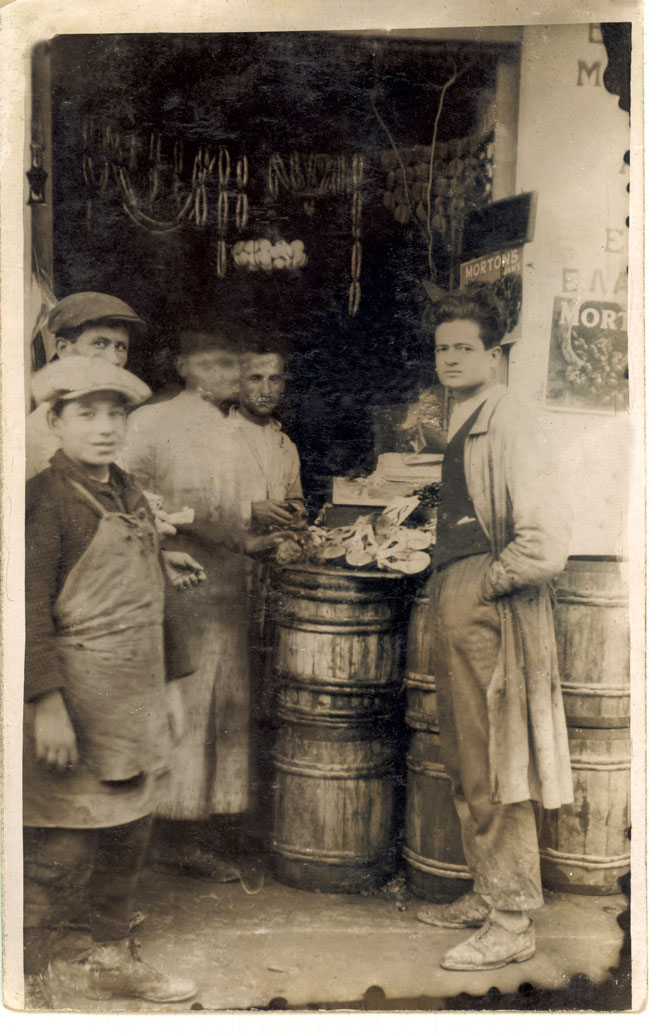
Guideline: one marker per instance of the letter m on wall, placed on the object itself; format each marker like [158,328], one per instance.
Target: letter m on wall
[588,71]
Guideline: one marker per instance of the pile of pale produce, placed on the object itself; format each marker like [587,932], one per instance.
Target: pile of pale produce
[262,256]
[373,541]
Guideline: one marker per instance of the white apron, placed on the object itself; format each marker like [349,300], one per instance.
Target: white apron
[182,450]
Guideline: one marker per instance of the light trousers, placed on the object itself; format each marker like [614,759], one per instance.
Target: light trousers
[499,840]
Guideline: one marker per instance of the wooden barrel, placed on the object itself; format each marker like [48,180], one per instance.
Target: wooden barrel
[593,644]
[339,648]
[433,850]
[584,846]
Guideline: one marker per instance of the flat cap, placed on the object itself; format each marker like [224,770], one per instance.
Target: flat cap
[78,375]
[89,306]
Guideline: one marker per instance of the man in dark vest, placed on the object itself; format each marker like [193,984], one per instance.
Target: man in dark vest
[500,539]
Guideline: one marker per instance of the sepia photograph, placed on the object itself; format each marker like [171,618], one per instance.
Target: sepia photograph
[323,510]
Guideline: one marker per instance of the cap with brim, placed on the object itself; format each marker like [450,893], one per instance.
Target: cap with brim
[76,376]
[90,307]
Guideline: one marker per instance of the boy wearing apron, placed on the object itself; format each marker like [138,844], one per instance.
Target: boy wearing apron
[99,718]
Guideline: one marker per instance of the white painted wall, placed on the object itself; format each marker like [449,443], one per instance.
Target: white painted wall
[570,145]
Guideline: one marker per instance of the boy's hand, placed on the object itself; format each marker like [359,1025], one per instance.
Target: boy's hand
[267,512]
[163,527]
[175,712]
[56,743]
[182,570]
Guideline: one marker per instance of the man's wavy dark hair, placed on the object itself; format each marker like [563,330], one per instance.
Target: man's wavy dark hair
[476,302]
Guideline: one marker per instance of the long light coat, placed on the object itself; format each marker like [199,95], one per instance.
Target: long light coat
[182,450]
[511,484]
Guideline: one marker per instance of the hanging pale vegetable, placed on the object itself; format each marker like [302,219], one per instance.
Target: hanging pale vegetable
[262,256]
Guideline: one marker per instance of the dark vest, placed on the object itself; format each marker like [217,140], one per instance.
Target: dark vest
[458,531]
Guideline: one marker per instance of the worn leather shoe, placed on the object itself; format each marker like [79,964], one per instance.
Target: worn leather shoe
[491,947]
[136,920]
[116,969]
[470,910]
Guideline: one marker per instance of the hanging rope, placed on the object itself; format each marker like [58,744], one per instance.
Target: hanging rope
[95,184]
[223,171]
[407,192]
[354,293]
[446,86]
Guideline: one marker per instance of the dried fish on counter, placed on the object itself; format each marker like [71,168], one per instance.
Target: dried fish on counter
[381,541]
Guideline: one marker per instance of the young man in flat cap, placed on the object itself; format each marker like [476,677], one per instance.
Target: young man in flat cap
[84,324]
[99,718]
[501,537]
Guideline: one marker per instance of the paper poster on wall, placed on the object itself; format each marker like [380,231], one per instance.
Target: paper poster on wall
[587,363]
[503,271]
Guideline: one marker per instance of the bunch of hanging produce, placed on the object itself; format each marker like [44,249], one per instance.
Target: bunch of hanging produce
[381,541]
[462,169]
[262,256]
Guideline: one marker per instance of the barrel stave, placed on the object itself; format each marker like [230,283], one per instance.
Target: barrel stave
[433,850]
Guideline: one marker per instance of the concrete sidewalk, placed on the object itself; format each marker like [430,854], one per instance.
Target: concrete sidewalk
[289,949]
